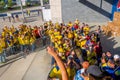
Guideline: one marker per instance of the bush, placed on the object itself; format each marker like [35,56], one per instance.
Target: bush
[2,4]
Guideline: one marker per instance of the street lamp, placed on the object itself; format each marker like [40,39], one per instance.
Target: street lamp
[22,11]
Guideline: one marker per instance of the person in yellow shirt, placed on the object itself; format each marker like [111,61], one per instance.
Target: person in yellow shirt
[3,32]
[2,58]
[86,29]
[77,22]
[61,50]
[78,42]
[2,51]
[59,37]
[70,24]
[27,43]
[70,35]
[2,40]
[32,43]
[52,39]
[21,42]
[57,26]
[55,73]
[26,40]
[56,32]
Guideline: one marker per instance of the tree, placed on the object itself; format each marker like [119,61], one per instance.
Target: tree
[45,1]
[2,3]
[10,3]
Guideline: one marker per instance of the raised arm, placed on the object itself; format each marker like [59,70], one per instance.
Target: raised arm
[59,62]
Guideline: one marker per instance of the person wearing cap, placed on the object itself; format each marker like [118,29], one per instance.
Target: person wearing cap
[116,58]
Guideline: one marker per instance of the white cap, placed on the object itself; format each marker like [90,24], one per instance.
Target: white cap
[116,56]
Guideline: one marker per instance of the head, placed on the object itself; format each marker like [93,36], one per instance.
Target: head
[111,63]
[108,54]
[116,57]
[85,64]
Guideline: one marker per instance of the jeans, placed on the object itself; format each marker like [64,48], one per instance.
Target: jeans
[2,57]
[22,48]
[12,50]
[32,47]
[44,40]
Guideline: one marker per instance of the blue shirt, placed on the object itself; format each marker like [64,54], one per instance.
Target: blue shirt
[77,76]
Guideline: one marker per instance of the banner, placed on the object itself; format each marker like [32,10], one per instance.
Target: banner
[118,6]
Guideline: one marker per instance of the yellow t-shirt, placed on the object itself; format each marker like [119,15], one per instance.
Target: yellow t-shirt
[56,33]
[70,24]
[70,35]
[59,37]
[71,73]
[61,50]
[1,50]
[2,41]
[56,45]
[82,43]
[76,35]
[15,40]
[54,73]
[32,40]
[3,34]
[26,40]
[52,37]
[21,41]
[77,42]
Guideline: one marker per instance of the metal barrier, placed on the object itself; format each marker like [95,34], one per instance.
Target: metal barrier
[16,49]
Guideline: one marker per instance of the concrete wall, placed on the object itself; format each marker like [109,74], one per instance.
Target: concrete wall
[46,14]
[86,10]
[56,14]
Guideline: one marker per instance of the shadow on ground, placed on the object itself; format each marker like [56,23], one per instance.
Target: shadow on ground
[96,8]
[110,44]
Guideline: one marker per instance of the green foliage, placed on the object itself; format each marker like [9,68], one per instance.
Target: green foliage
[2,3]
[45,1]
[10,3]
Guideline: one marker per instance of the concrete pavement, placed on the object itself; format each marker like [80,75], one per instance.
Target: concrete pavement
[34,67]
[86,10]
[17,70]
[40,67]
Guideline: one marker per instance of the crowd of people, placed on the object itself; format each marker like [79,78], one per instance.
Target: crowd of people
[20,39]
[76,51]
[77,54]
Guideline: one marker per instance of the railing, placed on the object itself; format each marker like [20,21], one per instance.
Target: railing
[15,51]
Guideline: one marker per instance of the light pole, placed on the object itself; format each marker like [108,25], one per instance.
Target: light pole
[101,3]
[22,11]
[41,2]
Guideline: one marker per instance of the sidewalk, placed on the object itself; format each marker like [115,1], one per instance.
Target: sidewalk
[34,67]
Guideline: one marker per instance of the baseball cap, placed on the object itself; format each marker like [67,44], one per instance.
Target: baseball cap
[116,56]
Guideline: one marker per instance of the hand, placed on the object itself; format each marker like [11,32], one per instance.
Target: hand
[51,50]
[86,78]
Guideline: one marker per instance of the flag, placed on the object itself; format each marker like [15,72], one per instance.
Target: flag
[118,5]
